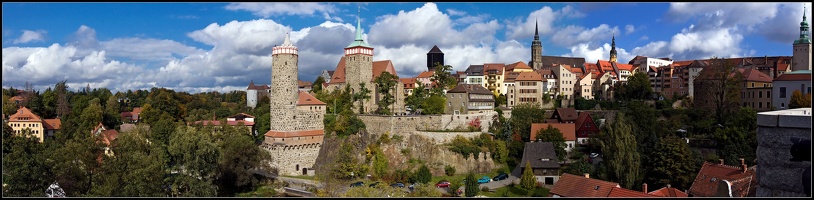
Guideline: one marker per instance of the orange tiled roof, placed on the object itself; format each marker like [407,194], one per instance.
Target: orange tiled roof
[683,62]
[668,192]
[604,65]
[496,67]
[517,65]
[425,74]
[24,115]
[582,118]
[339,73]
[244,115]
[622,192]
[17,98]
[591,67]
[383,66]
[304,83]
[307,99]
[755,75]
[570,185]
[622,66]
[708,178]
[109,135]
[137,110]
[289,134]
[568,130]
[782,67]
[566,114]
[793,77]
[409,83]
[529,76]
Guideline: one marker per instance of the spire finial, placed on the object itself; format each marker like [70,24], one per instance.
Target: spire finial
[358,23]
[535,27]
[287,41]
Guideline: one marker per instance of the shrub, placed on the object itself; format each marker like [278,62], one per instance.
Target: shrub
[518,191]
[540,192]
[449,170]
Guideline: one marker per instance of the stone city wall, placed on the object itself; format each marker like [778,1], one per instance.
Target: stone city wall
[406,124]
[777,175]
[290,160]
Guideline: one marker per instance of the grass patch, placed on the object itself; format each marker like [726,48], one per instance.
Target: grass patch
[301,177]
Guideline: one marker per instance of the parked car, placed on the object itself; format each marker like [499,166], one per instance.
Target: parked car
[412,186]
[400,185]
[442,183]
[484,179]
[501,176]
[594,155]
[357,184]
[374,184]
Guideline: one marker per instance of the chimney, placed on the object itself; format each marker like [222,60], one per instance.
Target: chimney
[743,166]
[587,175]
[721,161]
[668,185]
[644,187]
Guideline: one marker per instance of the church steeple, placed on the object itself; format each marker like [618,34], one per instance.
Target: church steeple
[804,38]
[359,41]
[536,50]
[613,48]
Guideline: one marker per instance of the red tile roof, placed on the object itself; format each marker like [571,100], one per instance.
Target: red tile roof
[582,118]
[755,75]
[622,192]
[425,74]
[23,114]
[793,77]
[408,82]
[383,66]
[668,192]
[52,124]
[568,130]
[622,66]
[304,83]
[242,115]
[565,114]
[496,67]
[529,76]
[289,134]
[782,67]
[517,65]
[707,181]
[604,65]
[307,99]
[339,73]
[510,77]
[109,135]
[570,185]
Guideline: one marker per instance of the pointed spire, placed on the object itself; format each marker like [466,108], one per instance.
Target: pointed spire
[613,39]
[536,36]
[359,41]
[287,41]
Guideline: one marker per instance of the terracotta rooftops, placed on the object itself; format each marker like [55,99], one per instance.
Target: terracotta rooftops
[582,118]
[622,192]
[566,114]
[304,83]
[307,99]
[517,65]
[794,77]
[755,75]
[409,83]
[668,192]
[425,74]
[23,114]
[496,68]
[252,86]
[52,124]
[529,76]
[709,177]
[570,185]
[568,130]
[383,66]
[469,88]
[339,73]
[289,134]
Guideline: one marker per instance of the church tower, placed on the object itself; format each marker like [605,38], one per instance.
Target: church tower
[801,58]
[613,49]
[536,50]
[359,63]
[284,86]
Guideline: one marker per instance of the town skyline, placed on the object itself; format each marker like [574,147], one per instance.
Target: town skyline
[224,53]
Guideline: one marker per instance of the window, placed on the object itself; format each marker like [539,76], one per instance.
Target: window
[760,94]
[782,92]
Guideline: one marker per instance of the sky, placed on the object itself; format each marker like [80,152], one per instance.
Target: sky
[203,47]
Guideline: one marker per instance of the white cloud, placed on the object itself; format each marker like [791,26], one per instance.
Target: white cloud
[706,43]
[572,35]
[255,37]
[658,49]
[543,19]
[285,8]
[454,12]
[775,21]
[31,36]
[591,55]
[147,49]
[436,28]
[629,29]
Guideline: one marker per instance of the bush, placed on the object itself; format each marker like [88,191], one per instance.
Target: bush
[540,192]
[449,170]
[518,191]
[423,174]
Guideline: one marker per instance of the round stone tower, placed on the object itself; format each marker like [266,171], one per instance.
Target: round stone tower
[284,86]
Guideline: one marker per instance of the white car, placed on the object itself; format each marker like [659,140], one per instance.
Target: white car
[594,155]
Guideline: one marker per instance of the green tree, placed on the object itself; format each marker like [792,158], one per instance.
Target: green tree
[380,161]
[500,100]
[527,180]
[621,151]
[385,85]
[362,96]
[434,105]
[63,106]
[135,169]
[523,115]
[423,174]
[553,135]
[346,165]
[449,170]
[425,190]
[637,87]
[317,86]
[798,100]
[673,163]
[112,117]
[9,107]
[195,154]
[26,173]
[472,188]
[239,155]
[416,99]
[91,116]
[721,86]
[74,164]
[443,79]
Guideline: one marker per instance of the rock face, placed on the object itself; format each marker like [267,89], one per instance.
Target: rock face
[435,156]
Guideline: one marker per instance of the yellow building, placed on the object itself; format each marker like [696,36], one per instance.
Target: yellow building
[25,120]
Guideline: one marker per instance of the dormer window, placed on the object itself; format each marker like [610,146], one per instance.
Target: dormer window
[596,188]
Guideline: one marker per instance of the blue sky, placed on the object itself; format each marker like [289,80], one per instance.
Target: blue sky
[198,47]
